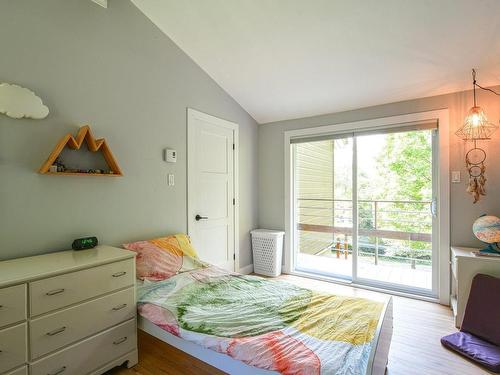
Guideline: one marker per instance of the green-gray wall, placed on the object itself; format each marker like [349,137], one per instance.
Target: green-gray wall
[463,211]
[113,69]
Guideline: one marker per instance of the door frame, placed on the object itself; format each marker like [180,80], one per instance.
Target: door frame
[191,115]
[442,185]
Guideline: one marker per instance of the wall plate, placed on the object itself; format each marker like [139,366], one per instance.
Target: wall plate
[170,155]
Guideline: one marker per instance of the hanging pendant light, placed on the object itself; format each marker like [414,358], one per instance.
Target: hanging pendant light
[476,128]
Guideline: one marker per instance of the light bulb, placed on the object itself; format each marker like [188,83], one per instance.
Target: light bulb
[475,120]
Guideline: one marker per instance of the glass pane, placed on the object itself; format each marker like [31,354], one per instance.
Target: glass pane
[323,191]
[394,216]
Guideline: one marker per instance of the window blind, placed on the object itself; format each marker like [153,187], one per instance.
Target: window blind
[394,128]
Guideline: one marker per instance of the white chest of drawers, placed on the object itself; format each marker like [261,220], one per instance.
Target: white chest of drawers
[68,313]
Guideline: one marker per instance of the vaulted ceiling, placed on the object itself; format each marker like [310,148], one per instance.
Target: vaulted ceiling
[283,59]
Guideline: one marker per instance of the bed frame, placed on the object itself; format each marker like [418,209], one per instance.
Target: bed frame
[377,362]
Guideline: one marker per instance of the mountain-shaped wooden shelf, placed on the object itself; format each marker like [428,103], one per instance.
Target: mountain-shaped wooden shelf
[74,143]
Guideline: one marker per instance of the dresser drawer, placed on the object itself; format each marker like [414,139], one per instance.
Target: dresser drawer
[13,350]
[12,304]
[91,353]
[53,331]
[64,290]
[20,371]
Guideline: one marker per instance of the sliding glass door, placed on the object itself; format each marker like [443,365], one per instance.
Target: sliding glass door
[395,209]
[364,207]
[323,187]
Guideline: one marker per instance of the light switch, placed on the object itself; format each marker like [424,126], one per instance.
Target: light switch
[455,177]
[171,181]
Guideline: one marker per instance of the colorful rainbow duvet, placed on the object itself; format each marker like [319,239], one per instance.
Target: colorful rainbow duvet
[264,323]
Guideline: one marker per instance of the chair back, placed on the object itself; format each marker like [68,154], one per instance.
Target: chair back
[482,313]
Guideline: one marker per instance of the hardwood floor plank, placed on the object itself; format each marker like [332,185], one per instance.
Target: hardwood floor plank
[415,347]
[159,358]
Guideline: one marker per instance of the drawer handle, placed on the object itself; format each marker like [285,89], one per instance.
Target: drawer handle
[54,292]
[116,308]
[122,340]
[56,331]
[60,371]
[118,274]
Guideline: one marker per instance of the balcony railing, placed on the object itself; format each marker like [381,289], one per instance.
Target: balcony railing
[398,231]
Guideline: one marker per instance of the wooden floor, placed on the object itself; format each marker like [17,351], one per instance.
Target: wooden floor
[415,348]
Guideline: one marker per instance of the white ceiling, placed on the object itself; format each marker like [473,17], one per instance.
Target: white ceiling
[283,59]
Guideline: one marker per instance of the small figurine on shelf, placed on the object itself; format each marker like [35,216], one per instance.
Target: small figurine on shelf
[60,167]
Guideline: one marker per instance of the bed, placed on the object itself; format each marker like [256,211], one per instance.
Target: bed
[245,324]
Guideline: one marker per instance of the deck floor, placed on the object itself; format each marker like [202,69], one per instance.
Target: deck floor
[391,272]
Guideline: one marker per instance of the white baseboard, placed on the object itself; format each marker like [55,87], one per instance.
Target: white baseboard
[246,270]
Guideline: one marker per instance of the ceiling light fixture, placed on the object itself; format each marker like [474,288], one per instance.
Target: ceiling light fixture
[476,128]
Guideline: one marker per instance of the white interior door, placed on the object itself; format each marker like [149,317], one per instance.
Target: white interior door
[211,188]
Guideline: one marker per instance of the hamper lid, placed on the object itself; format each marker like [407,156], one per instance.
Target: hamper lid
[267,231]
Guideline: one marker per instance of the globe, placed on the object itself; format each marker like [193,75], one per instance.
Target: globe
[487,229]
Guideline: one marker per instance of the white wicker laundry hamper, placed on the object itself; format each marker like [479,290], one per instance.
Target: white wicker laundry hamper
[267,246]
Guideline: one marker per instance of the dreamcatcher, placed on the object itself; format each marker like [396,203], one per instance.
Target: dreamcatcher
[474,160]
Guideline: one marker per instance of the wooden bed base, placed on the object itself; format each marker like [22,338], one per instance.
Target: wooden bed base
[376,364]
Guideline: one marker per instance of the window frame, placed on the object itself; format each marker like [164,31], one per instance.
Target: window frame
[441,155]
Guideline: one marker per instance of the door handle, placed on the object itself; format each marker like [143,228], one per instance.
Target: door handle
[198,217]
[434,207]
[122,306]
[54,292]
[56,331]
[60,371]
[118,342]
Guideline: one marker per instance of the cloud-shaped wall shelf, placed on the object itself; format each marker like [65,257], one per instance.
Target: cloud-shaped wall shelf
[19,102]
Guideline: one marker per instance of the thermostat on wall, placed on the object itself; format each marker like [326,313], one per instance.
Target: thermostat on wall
[169,155]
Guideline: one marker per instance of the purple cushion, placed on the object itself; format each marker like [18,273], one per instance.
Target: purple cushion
[476,349]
